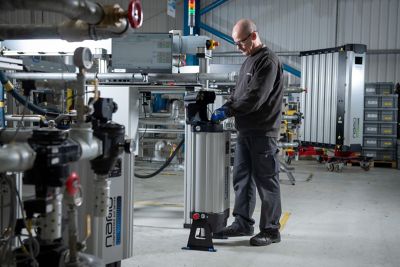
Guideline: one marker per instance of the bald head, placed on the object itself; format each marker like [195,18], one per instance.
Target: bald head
[244,26]
[245,36]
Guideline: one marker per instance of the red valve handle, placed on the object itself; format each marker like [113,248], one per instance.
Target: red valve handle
[135,14]
[72,184]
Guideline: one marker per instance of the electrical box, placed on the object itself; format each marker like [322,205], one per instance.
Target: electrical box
[143,53]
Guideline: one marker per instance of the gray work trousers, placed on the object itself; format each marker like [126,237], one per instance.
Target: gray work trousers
[256,165]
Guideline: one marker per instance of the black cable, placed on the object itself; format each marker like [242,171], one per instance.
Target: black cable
[11,222]
[34,108]
[21,205]
[166,163]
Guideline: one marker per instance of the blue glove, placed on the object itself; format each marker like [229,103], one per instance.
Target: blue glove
[219,114]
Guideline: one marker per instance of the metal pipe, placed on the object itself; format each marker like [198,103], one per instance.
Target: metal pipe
[7,135]
[50,224]
[72,233]
[16,157]
[88,11]
[173,114]
[28,31]
[155,139]
[286,145]
[80,97]
[162,121]
[159,115]
[164,131]
[175,109]
[294,90]
[158,148]
[160,77]
[291,117]
[297,53]
[91,147]
[72,31]
[25,118]
[75,31]
[102,194]
[239,54]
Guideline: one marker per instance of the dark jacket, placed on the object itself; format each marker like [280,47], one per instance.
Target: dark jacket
[257,99]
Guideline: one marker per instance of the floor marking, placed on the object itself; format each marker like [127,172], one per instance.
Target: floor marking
[284,220]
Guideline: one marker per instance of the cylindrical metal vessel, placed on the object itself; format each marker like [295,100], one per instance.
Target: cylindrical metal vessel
[208,176]
[211,194]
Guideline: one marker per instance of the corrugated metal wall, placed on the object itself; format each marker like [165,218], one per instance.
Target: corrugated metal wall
[284,25]
[298,25]
[375,23]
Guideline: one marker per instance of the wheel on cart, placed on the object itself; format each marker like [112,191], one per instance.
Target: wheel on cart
[330,166]
[365,165]
[338,167]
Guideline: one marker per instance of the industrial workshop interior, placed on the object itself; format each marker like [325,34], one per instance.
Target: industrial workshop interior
[199,133]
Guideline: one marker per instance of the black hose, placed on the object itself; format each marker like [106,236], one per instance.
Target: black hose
[36,109]
[166,163]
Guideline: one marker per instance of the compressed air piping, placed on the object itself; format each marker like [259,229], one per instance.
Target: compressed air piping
[25,118]
[88,20]
[88,11]
[83,134]
[73,31]
[159,77]
[16,157]
[8,135]
[162,121]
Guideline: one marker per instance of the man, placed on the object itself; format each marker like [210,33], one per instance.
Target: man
[256,104]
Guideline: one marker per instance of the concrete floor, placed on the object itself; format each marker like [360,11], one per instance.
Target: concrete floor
[334,219]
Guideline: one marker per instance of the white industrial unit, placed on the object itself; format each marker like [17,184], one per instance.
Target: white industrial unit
[112,235]
[334,100]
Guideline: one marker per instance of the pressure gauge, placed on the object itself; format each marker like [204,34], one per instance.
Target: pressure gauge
[83,58]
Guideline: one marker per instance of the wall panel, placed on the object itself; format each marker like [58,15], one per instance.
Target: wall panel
[289,25]
[284,25]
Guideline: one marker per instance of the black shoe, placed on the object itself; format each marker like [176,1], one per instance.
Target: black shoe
[232,231]
[265,238]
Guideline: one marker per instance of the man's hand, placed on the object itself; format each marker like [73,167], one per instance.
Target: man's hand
[219,114]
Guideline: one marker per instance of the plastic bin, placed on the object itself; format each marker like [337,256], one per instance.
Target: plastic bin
[380,115]
[380,129]
[385,155]
[388,101]
[371,128]
[370,142]
[387,129]
[388,115]
[371,101]
[380,101]
[379,88]
[387,142]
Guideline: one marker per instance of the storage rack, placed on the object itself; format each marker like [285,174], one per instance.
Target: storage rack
[380,122]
